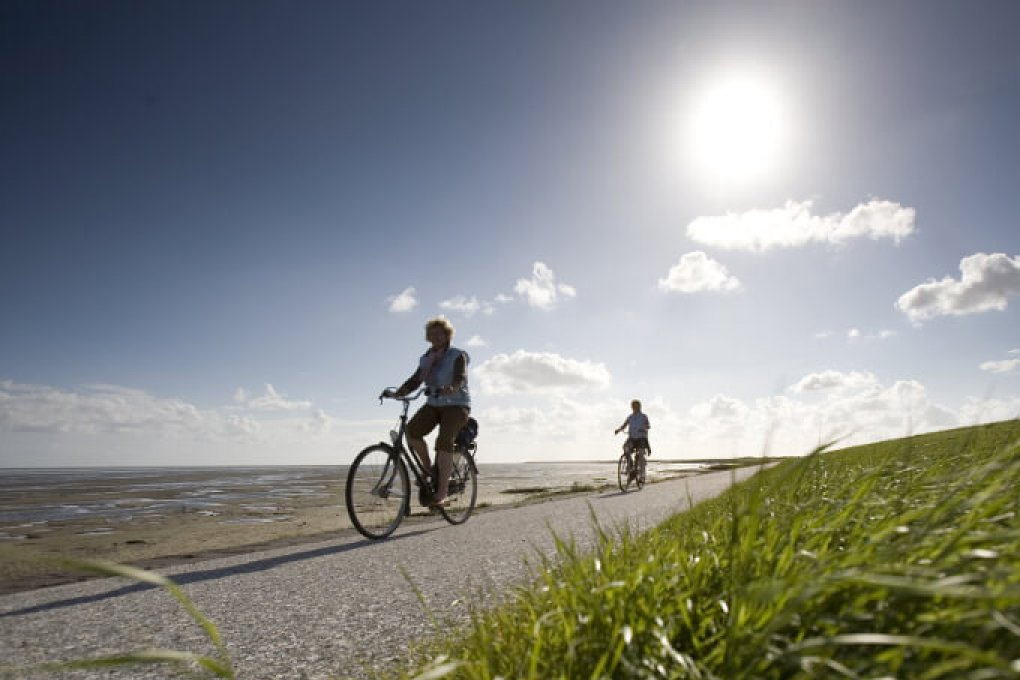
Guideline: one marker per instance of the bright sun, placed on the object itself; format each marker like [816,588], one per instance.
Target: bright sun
[738,129]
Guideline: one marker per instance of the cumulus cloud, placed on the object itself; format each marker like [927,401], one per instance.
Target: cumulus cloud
[542,290]
[525,371]
[404,302]
[466,306]
[271,400]
[793,226]
[846,408]
[476,341]
[697,272]
[830,380]
[985,283]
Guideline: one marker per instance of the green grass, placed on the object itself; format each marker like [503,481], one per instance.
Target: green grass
[893,560]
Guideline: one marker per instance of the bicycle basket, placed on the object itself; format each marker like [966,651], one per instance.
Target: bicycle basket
[467,433]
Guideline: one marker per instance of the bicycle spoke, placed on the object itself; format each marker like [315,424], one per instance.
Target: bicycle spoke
[377,492]
[462,491]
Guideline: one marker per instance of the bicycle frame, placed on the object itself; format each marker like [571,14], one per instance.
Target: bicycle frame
[405,452]
[398,438]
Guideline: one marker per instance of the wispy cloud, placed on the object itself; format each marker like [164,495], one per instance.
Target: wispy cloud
[985,283]
[794,226]
[832,380]
[855,334]
[461,304]
[1002,366]
[270,400]
[476,341]
[525,371]
[404,302]
[109,409]
[696,272]
[542,290]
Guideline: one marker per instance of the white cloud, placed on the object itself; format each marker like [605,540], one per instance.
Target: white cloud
[404,302]
[271,400]
[832,380]
[793,226]
[525,371]
[542,290]
[476,341]
[320,423]
[697,272]
[504,299]
[466,306]
[855,334]
[986,282]
[1004,366]
[719,407]
[102,409]
[114,425]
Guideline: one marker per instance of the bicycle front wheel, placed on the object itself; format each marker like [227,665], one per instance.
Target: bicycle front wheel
[377,491]
[623,473]
[463,489]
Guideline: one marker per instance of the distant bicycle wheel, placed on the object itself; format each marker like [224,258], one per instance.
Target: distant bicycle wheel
[623,476]
[377,492]
[463,489]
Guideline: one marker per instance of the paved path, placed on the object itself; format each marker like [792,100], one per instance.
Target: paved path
[325,610]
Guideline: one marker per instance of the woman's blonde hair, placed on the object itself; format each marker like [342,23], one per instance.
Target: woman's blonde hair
[441,322]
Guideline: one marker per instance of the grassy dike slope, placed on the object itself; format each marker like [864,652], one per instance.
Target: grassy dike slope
[894,560]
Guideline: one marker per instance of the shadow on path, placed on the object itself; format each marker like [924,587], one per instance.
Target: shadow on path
[211,574]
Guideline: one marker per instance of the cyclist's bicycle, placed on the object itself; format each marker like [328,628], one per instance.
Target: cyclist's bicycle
[378,492]
[627,470]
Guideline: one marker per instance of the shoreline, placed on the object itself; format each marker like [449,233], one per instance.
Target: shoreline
[189,538]
[194,532]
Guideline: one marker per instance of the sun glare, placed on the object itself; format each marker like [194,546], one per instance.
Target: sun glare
[737,129]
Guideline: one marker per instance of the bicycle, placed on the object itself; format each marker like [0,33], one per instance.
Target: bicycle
[378,492]
[627,471]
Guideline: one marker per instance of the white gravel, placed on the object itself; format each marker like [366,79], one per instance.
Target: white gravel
[325,610]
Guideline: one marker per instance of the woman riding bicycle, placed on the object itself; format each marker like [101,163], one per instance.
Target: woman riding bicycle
[637,436]
[443,369]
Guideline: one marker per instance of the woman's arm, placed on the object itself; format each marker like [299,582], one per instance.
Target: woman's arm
[410,384]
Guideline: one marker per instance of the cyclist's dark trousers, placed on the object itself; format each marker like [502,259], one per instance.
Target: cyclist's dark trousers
[636,443]
[449,419]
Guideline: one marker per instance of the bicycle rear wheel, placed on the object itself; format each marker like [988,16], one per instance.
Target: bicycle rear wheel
[623,473]
[377,492]
[463,489]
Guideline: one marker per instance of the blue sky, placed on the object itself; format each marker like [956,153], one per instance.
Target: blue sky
[225,224]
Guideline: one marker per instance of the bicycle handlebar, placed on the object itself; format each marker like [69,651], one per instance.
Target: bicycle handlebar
[390,393]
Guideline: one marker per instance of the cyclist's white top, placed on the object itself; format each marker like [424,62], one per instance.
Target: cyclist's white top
[637,426]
